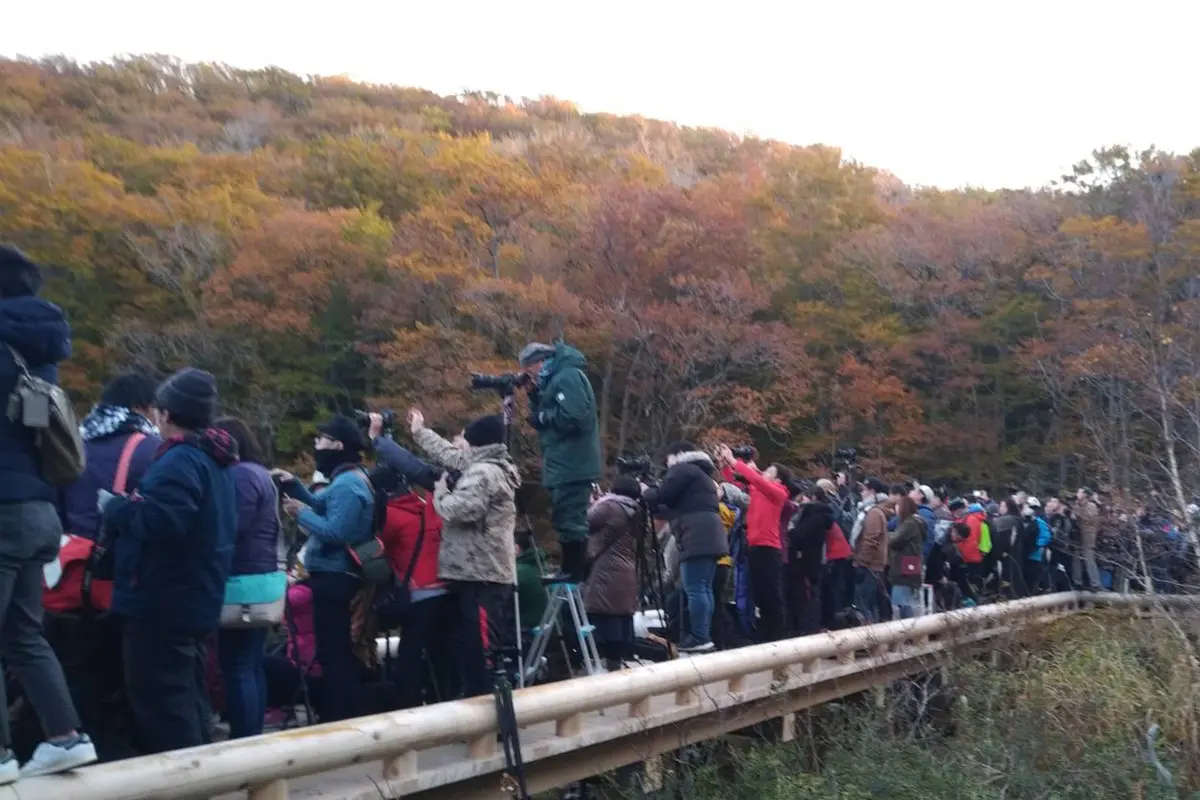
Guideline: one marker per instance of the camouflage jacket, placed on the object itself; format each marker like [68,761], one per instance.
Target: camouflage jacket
[479,514]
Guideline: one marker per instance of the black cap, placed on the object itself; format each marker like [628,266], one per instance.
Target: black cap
[190,397]
[19,277]
[485,431]
[342,429]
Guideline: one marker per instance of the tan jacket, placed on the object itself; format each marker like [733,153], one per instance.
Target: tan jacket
[1089,523]
[479,514]
[871,549]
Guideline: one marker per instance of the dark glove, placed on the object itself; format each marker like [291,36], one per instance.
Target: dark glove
[535,421]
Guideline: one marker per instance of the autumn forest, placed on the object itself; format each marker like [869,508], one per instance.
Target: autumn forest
[322,244]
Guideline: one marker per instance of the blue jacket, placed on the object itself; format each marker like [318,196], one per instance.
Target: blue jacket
[38,331]
[339,516]
[173,544]
[1045,536]
[81,516]
[257,547]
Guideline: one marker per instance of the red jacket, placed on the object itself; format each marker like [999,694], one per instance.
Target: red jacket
[399,537]
[836,546]
[767,499]
[969,548]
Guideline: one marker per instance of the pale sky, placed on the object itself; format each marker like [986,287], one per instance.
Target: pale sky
[994,93]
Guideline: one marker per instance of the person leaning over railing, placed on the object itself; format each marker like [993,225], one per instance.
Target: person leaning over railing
[477,557]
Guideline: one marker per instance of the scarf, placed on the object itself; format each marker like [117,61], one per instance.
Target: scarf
[216,443]
[866,505]
[108,420]
[544,372]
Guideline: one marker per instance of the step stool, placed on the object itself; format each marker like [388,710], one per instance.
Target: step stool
[563,593]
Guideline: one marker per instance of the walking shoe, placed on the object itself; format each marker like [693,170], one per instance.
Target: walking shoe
[691,644]
[9,769]
[52,757]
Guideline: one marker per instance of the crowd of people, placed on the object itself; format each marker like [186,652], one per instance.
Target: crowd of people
[179,574]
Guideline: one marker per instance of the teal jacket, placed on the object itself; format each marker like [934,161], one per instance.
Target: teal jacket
[564,415]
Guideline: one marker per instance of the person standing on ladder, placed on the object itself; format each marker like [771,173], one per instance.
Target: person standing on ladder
[563,412]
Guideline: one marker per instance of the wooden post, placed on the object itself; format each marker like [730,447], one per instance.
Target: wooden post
[685,697]
[272,790]
[737,684]
[401,766]
[788,732]
[482,747]
[640,708]
[569,725]
[652,774]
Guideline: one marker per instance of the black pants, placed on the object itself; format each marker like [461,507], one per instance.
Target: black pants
[164,680]
[804,599]
[89,649]
[766,588]
[474,605]
[968,577]
[837,590]
[332,594]
[423,647]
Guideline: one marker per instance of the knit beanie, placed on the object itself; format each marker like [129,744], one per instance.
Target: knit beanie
[485,431]
[190,397]
[342,429]
[19,277]
[535,353]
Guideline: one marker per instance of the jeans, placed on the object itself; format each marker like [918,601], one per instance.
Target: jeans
[29,535]
[568,511]
[766,588]
[907,601]
[867,584]
[479,608]
[164,678]
[332,594]
[697,575]
[241,652]
[421,650]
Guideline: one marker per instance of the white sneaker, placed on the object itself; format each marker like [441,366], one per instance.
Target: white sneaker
[9,769]
[50,758]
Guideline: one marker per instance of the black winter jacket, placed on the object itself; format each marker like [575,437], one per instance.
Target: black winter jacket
[687,498]
[806,536]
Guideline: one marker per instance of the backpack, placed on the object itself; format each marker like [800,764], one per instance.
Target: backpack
[985,538]
[80,578]
[45,409]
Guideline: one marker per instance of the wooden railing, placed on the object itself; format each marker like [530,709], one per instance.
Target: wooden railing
[658,694]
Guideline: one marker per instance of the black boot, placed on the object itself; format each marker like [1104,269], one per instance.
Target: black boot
[574,563]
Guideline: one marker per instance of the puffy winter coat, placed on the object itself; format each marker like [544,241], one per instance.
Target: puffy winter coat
[479,514]
[406,514]
[614,524]
[38,331]
[687,497]
[103,458]
[173,544]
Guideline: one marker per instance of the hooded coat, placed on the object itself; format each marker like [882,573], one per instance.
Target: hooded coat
[614,523]
[479,515]
[807,536]
[687,497]
[871,546]
[38,331]
[564,414]
[174,541]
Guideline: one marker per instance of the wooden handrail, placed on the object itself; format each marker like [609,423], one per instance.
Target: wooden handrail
[264,761]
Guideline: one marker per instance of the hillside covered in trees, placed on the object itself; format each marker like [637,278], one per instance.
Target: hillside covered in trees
[320,244]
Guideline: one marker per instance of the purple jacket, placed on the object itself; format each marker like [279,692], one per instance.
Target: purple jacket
[257,548]
[79,499]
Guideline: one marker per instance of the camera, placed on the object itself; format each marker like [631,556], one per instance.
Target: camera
[639,467]
[503,385]
[363,418]
[743,452]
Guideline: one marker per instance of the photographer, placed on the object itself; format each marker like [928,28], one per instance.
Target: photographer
[610,593]
[563,412]
[477,557]
[688,498]
[768,494]
[336,518]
